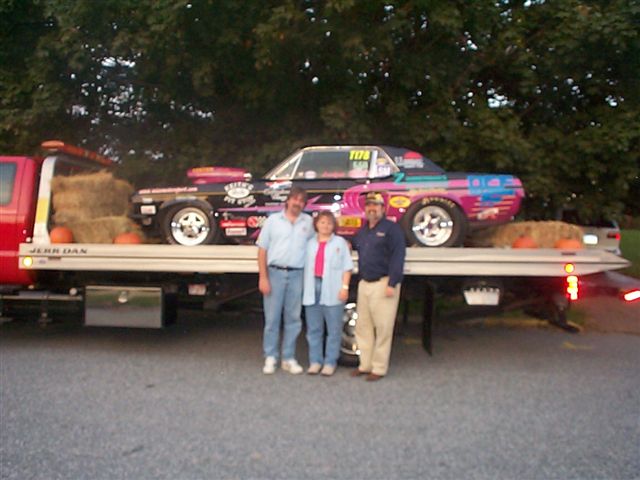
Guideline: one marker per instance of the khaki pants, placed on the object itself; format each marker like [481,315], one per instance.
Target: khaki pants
[374,328]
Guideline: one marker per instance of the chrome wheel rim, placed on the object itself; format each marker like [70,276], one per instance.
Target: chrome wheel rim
[190,226]
[432,226]
[348,345]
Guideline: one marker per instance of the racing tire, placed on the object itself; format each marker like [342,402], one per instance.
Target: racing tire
[435,222]
[189,225]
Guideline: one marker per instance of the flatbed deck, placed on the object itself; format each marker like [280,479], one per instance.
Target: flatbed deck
[491,262]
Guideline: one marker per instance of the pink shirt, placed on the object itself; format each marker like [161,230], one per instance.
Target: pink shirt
[319,268]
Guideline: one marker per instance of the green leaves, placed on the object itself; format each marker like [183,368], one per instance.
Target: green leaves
[545,90]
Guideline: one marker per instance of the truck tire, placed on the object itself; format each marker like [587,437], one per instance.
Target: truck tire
[435,222]
[189,225]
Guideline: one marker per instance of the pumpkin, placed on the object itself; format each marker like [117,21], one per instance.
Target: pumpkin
[61,235]
[568,244]
[524,241]
[129,237]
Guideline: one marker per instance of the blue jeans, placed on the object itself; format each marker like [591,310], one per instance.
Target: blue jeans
[317,317]
[284,302]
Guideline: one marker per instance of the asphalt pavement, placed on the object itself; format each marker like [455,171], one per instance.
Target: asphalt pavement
[190,402]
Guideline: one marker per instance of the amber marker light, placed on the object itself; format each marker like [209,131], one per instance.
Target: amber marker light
[27,262]
[569,267]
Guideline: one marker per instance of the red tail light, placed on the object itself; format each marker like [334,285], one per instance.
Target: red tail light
[615,235]
[572,287]
[632,295]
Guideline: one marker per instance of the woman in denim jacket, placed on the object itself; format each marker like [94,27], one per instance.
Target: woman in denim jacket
[327,273]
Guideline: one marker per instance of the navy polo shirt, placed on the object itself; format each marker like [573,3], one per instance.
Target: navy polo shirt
[381,251]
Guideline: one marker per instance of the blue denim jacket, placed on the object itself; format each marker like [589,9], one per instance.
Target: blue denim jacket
[337,260]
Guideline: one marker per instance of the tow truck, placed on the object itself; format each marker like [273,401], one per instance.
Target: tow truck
[142,285]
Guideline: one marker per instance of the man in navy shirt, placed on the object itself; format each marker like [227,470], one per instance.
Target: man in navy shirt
[381,250]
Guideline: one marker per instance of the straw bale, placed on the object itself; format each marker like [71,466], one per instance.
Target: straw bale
[102,229]
[89,196]
[545,234]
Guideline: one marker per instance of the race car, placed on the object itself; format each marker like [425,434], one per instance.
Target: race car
[434,208]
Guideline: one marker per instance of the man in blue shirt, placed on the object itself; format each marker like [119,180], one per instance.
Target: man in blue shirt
[381,251]
[281,255]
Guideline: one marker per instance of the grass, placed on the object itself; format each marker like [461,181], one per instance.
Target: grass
[630,246]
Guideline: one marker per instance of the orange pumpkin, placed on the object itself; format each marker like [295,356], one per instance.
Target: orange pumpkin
[524,241]
[61,235]
[129,237]
[568,244]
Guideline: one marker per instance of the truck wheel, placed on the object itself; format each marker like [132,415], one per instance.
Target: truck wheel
[435,222]
[349,355]
[189,225]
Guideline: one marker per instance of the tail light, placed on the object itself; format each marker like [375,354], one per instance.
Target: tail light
[632,295]
[572,287]
[615,235]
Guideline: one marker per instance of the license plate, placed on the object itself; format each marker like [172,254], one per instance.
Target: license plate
[197,289]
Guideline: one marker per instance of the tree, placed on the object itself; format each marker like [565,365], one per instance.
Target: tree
[545,90]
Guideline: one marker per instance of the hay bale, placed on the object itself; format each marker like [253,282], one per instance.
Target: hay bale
[89,196]
[103,229]
[545,234]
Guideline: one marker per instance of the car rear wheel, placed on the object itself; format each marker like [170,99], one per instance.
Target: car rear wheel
[189,225]
[435,222]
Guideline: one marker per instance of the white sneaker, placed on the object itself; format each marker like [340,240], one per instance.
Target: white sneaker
[328,370]
[292,366]
[269,366]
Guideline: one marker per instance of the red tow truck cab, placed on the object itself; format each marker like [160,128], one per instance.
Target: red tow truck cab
[25,200]
[18,191]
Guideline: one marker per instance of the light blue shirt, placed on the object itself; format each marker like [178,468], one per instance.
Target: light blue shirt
[286,242]
[337,260]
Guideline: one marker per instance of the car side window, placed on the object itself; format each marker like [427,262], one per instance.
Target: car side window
[382,166]
[325,164]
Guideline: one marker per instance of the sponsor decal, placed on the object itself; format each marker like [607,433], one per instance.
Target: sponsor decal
[350,222]
[359,155]
[410,160]
[256,222]
[488,213]
[277,191]
[399,202]
[383,170]
[239,193]
[235,232]
[148,209]
[236,222]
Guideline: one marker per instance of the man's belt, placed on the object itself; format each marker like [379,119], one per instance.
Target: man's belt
[371,280]
[278,267]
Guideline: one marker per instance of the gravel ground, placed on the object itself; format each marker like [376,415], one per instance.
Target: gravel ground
[190,402]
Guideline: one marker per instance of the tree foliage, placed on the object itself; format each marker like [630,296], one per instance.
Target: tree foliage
[545,90]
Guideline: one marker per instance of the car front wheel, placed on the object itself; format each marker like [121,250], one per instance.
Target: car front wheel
[435,222]
[189,225]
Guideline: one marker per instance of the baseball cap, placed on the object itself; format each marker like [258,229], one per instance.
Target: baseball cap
[374,197]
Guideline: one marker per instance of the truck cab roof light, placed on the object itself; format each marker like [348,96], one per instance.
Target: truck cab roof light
[58,146]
